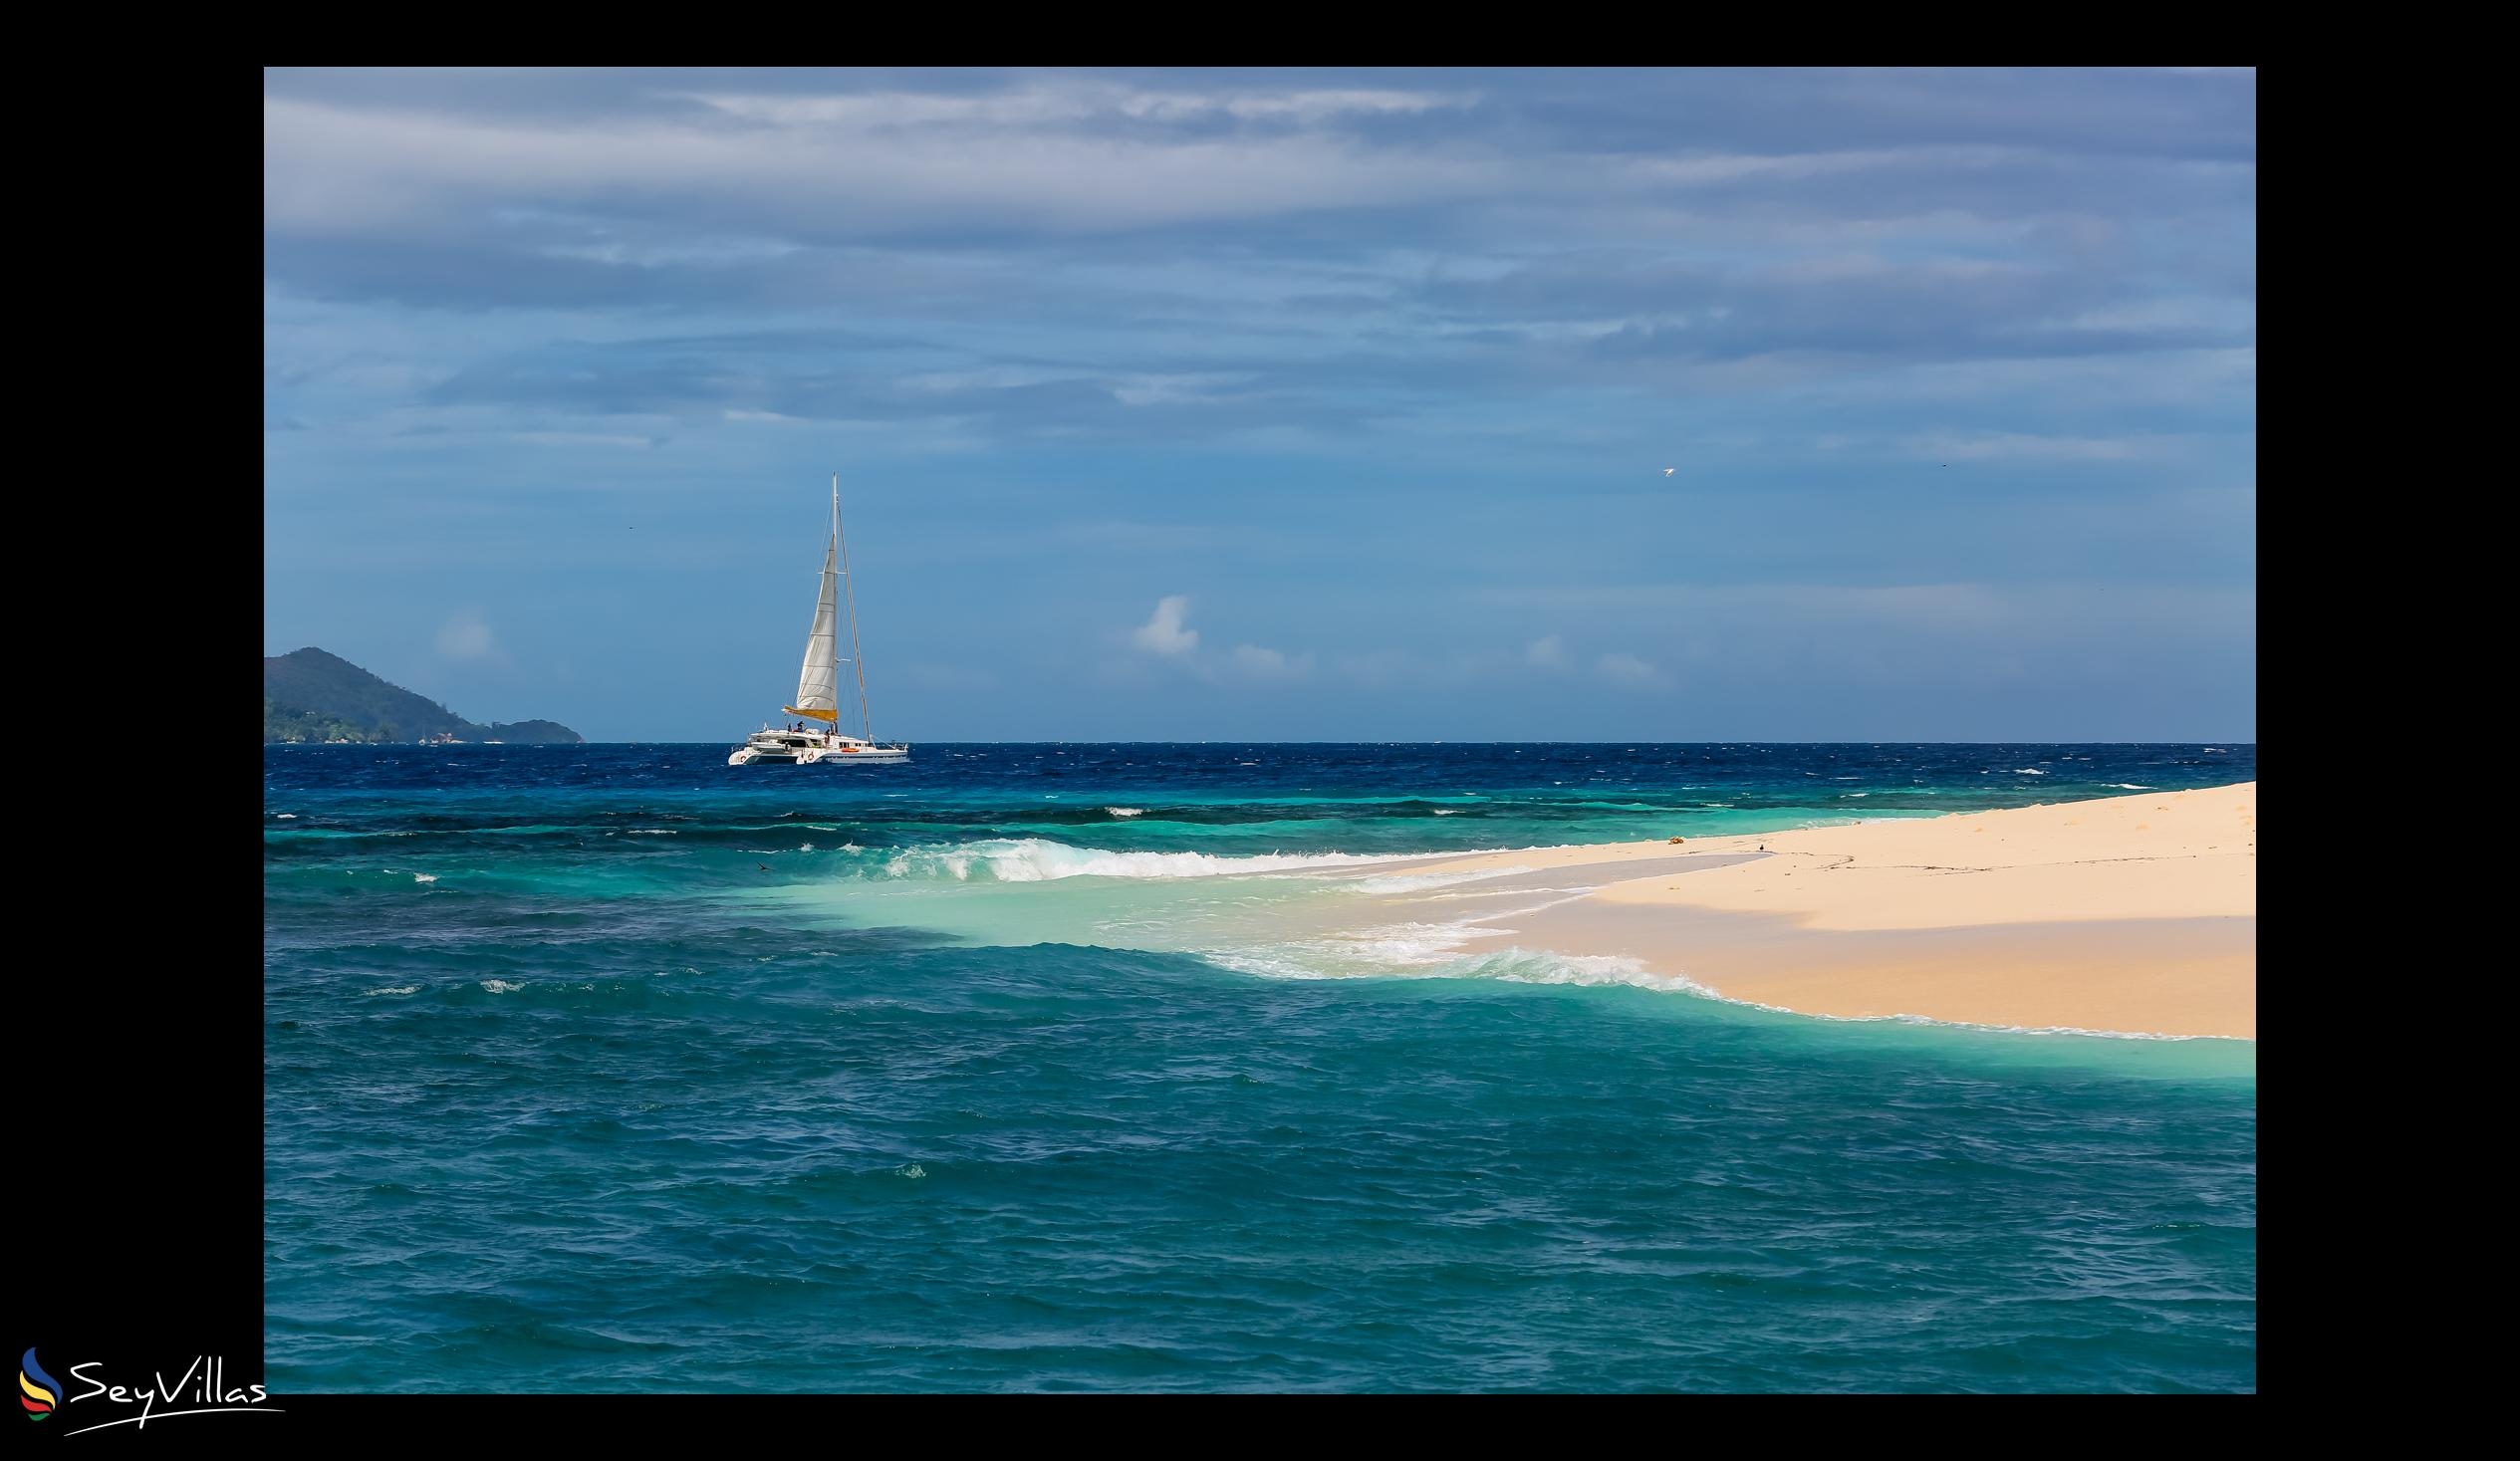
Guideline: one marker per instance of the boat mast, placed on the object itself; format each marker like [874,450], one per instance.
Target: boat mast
[857,659]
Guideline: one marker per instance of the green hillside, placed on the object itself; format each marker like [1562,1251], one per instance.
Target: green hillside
[310,696]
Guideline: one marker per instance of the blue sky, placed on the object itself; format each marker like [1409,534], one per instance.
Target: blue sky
[1276,404]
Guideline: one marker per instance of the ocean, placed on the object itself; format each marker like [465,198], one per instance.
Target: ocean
[612,1067]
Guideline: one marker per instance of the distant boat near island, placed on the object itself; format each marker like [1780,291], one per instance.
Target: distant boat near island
[314,698]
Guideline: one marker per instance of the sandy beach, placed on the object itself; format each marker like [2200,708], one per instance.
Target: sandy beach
[2134,914]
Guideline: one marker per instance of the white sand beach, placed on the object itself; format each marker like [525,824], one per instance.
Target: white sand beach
[2134,914]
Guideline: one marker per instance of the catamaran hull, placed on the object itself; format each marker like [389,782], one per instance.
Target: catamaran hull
[819,756]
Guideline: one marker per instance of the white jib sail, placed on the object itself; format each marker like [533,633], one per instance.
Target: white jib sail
[818,684]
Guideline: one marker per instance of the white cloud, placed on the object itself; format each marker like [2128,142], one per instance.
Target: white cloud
[1726,167]
[1175,389]
[1061,156]
[1164,633]
[1628,669]
[1549,652]
[467,637]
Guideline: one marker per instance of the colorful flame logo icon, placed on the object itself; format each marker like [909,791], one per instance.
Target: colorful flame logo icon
[41,1392]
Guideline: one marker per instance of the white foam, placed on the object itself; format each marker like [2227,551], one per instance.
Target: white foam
[501,986]
[397,988]
[423,877]
[1033,859]
[288,817]
[1486,895]
[1536,966]
[1427,953]
[1751,1004]
[1388,950]
[2127,786]
[1125,811]
[2028,770]
[1397,882]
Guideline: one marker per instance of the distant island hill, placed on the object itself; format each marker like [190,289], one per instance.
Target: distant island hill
[312,696]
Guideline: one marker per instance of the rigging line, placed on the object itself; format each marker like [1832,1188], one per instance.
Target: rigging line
[856,660]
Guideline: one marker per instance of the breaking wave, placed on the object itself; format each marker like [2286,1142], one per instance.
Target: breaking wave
[1429,955]
[1033,859]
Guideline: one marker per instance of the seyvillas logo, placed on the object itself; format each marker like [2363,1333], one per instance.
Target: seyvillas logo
[37,1392]
[202,1390]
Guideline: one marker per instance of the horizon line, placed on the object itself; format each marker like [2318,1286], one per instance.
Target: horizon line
[1226,741]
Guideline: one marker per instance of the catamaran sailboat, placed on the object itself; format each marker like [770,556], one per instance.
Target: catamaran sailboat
[818,740]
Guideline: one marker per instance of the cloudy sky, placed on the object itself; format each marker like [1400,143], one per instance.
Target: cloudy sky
[1276,406]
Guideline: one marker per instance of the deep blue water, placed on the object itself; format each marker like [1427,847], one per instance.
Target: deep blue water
[614,1068]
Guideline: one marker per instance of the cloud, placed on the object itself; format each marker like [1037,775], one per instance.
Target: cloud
[1628,669]
[1070,155]
[1164,633]
[1066,259]
[466,637]
[1156,329]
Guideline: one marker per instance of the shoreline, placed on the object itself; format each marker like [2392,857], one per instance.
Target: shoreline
[2133,914]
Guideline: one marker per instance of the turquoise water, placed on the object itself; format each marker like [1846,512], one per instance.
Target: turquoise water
[1131,1067]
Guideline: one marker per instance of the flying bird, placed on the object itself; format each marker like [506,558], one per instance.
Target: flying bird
[1667,471]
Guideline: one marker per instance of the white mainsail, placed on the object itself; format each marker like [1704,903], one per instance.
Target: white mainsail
[818,684]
